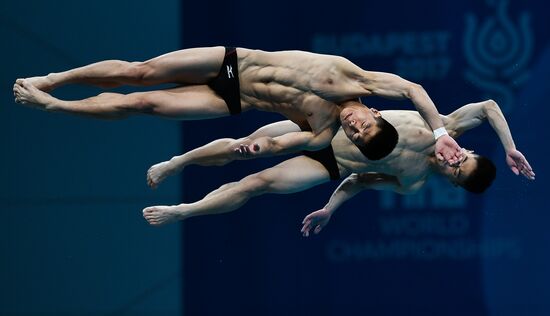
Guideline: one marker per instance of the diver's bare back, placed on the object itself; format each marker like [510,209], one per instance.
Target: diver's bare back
[288,81]
[408,161]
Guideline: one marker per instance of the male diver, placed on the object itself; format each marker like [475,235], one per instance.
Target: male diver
[407,168]
[220,81]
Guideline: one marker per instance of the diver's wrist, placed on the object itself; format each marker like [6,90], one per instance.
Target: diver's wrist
[440,132]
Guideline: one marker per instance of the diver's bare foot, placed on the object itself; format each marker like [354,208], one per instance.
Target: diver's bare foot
[26,93]
[160,215]
[157,173]
[43,83]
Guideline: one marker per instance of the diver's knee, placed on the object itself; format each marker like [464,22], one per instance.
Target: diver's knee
[140,71]
[141,102]
[256,184]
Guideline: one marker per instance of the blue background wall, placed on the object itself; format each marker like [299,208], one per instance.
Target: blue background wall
[439,252]
[72,238]
[73,241]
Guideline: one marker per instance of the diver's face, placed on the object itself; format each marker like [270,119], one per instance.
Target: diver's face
[359,123]
[459,172]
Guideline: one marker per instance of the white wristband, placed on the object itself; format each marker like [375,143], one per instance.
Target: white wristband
[440,132]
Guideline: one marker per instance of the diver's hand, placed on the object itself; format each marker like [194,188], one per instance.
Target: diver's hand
[247,151]
[517,162]
[316,220]
[448,150]
[260,147]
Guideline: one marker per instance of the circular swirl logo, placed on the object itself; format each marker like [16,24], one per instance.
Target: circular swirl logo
[498,52]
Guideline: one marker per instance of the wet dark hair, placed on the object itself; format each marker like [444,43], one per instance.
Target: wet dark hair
[482,176]
[382,143]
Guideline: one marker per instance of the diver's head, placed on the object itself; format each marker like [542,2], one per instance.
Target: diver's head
[474,173]
[366,128]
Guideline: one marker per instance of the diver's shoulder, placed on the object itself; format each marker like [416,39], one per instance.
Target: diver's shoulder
[400,117]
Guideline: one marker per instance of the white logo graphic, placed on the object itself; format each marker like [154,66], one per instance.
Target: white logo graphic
[230,72]
[498,52]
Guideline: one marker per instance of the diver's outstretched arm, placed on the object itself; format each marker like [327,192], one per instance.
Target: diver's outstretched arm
[350,187]
[472,115]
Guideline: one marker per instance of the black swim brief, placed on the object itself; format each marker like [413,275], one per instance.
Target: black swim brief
[326,157]
[226,84]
